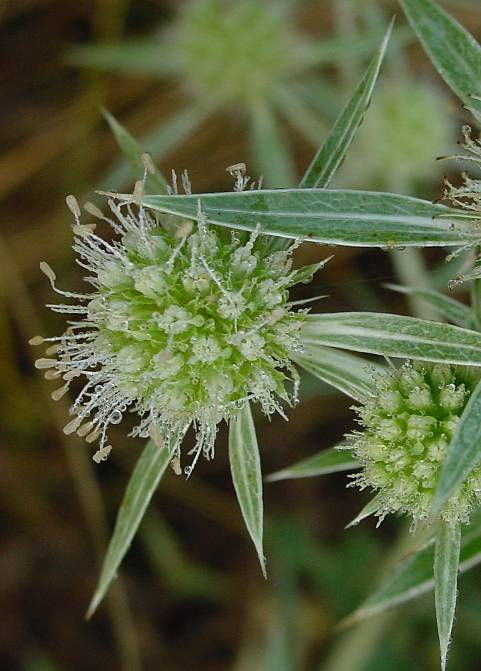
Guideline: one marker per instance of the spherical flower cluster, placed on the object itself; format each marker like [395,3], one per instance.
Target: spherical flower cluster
[235,53]
[186,324]
[407,427]
[407,126]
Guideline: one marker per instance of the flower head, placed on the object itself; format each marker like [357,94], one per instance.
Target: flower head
[234,53]
[185,324]
[407,427]
[395,148]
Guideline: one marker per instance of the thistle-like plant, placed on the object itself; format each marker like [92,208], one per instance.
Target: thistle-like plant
[189,322]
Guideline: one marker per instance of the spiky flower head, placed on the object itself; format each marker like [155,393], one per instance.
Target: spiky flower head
[467,196]
[400,138]
[407,427]
[235,53]
[185,324]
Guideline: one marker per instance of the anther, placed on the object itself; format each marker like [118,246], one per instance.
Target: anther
[83,229]
[147,163]
[45,363]
[176,467]
[138,194]
[72,426]
[73,206]
[48,272]
[36,340]
[53,349]
[93,210]
[58,393]
[92,436]
[52,374]
[102,454]
[84,429]
[154,433]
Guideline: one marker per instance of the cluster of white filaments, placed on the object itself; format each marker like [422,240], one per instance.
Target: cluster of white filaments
[186,323]
[467,196]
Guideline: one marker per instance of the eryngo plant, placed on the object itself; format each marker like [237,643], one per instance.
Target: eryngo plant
[186,323]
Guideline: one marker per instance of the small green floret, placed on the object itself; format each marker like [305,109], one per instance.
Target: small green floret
[407,427]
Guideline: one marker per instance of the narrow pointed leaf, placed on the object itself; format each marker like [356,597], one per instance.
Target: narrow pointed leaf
[414,576]
[464,451]
[446,564]
[332,460]
[133,152]
[355,218]
[454,52]
[369,509]
[245,467]
[331,154]
[142,484]
[349,373]
[394,335]
[453,310]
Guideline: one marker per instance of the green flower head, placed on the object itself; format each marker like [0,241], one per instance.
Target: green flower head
[407,427]
[400,137]
[235,53]
[185,324]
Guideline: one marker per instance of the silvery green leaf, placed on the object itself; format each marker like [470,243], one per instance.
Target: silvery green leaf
[133,152]
[355,218]
[349,373]
[245,467]
[453,51]
[464,451]
[394,335]
[414,575]
[448,307]
[331,154]
[142,484]
[369,509]
[446,564]
[332,460]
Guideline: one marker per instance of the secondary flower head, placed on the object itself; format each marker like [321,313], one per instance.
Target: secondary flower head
[395,148]
[407,427]
[235,53]
[185,324]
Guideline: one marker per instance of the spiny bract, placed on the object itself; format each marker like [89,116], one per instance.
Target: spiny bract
[186,324]
[407,427]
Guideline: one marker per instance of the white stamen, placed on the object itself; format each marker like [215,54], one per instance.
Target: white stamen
[102,454]
[48,272]
[73,206]
[94,210]
[148,164]
[138,194]
[45,363]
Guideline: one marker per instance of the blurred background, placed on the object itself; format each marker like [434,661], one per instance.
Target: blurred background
[203,84]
